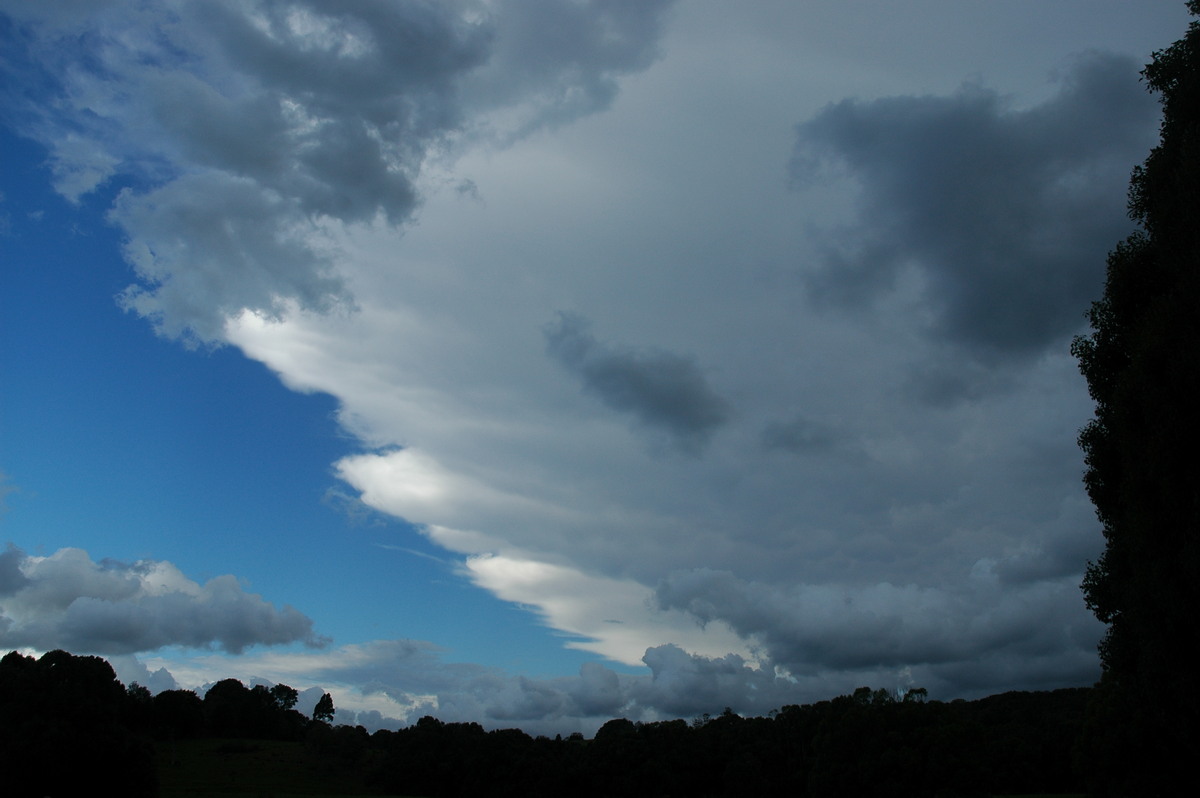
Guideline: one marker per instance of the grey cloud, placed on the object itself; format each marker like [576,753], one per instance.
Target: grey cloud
[813,629]
[130,669]
[562,60]
[684,685]
[1005,214]
[417,676]
[944,376]
[799,435]
[12,578]
[210,244]
[245,127]
[68,601]
[662,390]
[421,680]
[372,720]
[1052,557]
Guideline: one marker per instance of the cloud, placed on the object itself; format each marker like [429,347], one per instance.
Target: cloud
[130,669]
[554,62]
[210,244]
[392,683]
[249,129]
[999,216]
[882,491]
[662,390]
[814,629]
[68,601]
[12,578]
[613,617]
[799,435]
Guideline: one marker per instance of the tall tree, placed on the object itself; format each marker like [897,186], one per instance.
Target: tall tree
[1142,448]
[323,711]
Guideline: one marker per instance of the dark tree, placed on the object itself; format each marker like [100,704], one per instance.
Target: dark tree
[178,715]
[228,709]
[285,696]
[64,729]
[323,711]
[1142,364]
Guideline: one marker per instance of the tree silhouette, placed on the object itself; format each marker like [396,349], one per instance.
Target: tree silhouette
[285,696]
[323,711]
[1140,362]
[64,728]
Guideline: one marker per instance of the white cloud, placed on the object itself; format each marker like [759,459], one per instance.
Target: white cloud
[613,617]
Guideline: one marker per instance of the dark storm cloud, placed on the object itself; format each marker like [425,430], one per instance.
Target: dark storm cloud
[1006,215]
[1050,557]
[662,390]
[68,601]
[816,629]
[253,124]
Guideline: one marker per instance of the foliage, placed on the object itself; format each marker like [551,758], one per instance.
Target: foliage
[65,724]
[1142,471]
[239,740]
[323,711]
[285,697]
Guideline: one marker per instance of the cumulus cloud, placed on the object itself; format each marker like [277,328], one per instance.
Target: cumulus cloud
[246,127]
[1001,213]
[662,390]
[67,600]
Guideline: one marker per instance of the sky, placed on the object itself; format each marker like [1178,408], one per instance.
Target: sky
[538,363]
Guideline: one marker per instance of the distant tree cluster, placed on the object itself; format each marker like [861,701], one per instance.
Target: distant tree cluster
[67,724]
[866,744]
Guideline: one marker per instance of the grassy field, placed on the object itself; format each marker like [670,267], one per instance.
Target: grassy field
[248,769]
[267,769]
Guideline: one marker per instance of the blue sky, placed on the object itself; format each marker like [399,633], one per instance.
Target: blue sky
[535,363]
[198,456]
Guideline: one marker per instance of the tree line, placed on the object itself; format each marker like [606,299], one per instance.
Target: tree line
[67,724]
[1140,362]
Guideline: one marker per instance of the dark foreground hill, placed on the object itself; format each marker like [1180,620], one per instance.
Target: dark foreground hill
[68,726]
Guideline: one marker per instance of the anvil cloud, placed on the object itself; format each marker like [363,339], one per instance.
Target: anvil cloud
[724,345]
